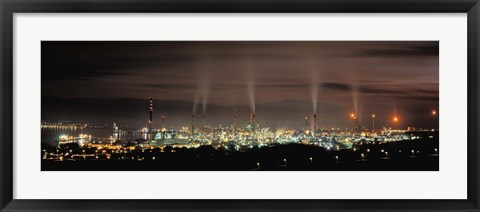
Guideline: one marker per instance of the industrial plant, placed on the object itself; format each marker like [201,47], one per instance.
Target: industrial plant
[234,138]
[240,105]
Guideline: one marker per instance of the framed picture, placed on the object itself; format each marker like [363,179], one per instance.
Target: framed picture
[256,106]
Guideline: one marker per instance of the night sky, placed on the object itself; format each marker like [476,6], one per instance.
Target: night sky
[107,81]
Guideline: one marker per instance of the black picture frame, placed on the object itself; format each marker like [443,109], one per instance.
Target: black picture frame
[9,7]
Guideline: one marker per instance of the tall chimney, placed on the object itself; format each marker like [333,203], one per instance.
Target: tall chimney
[314,130]
[193,124]
[150,120]
[234,124]
[253,122]
[203,123]
[356,125]
[163,122]
[306,122]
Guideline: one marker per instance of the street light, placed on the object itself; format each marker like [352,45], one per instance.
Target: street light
[258,165]
[436,151]
[434,115]
[285,161]
[311,160]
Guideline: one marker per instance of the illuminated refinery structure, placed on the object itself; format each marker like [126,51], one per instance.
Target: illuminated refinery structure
[230,138]
[234,137]
[150,120]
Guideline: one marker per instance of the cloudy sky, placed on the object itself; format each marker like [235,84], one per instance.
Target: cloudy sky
[385,78]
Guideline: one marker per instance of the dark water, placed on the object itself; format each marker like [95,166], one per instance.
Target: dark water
[49,135]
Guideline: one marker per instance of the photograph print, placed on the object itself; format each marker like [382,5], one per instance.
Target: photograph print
[240,106]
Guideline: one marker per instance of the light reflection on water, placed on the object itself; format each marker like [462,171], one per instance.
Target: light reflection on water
[49,135]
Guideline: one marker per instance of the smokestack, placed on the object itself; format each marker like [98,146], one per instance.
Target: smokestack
[203,123]
[252,121]
[234,124]
[306,122]
[150,120]
[163,122]
[356,125]
[314,124]
[193,124]
[253,126]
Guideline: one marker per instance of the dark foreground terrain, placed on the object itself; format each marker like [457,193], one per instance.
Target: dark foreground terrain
[395,156]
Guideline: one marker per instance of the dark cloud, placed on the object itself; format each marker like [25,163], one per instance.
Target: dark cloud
[383,75]
[420,98]
[169,86]
[283,86]
[427,92]
[253,56]
[91,60]
[379,90]
[336,86]
[414,50]
[376,89]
